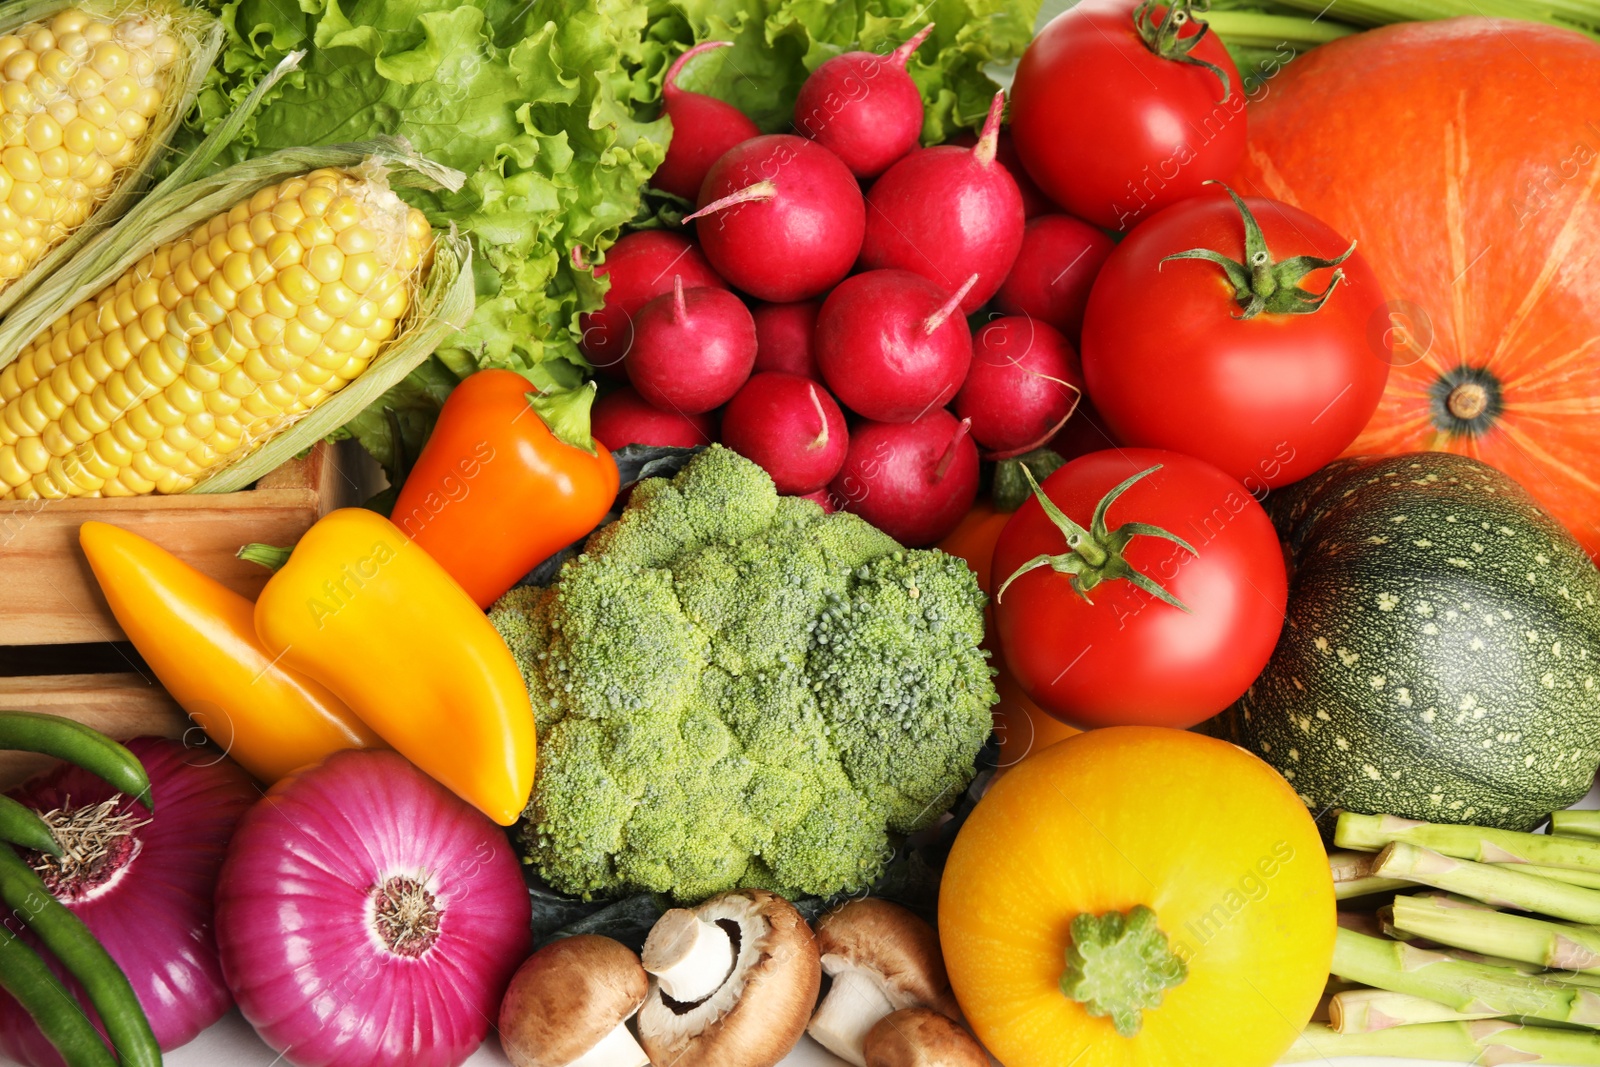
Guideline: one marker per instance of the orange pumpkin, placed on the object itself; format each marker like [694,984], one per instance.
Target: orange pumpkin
[1464,156]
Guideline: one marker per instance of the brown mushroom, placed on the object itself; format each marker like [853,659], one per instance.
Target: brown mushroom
[882,958]
[920,1037]
[748,957]
[569,1003]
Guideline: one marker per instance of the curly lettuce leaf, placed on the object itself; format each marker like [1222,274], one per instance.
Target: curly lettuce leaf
[550,109]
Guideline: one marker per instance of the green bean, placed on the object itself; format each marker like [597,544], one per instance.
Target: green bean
[52,735]
[21,825]
[24,975]
[64,934]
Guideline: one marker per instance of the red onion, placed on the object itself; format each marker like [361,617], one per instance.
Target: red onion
[367,917]
[148,895]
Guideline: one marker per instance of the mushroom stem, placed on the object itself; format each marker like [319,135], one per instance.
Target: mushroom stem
[616,1049]
[690,957]
[854,1004]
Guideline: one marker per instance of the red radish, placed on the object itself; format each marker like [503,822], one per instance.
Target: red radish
[791,427]
[823,499]
[912,480]
[786,338]
[703,128]
[945,212]
[1061,257]
[864,107]
[641,266]
[783,217]
[1024,382]
[1034,202]
[892,345]
[622,418]
[692,349]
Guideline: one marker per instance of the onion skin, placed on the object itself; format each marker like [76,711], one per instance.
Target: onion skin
[156,919]
[295,917]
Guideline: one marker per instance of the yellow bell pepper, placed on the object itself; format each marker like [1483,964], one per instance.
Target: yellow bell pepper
[199,637]
[366,612]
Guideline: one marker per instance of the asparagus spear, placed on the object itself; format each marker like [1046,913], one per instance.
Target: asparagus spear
[1353,877]
[1466,987]
[1554,945]
[1502,886]
[1576,823]
[1370,833]
[1570,875]
[1360,1011]
[1486,1041]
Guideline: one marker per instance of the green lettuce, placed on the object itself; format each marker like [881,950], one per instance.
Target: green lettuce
[550,108]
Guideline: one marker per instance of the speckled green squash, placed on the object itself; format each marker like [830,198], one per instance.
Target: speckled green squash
[1439,656]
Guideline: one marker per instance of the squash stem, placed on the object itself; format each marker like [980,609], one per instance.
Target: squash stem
[1120,965]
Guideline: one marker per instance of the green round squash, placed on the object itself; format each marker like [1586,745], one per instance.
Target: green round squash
[1439,655]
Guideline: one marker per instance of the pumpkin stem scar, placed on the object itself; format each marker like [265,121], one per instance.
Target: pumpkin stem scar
[1262,283]
[1119,965]
[1096,555]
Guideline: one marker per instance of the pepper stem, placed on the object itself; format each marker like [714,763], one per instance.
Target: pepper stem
[1166,38]
[271,557]
[1120,965]
[1261,283]
[1097,553]
[566,413]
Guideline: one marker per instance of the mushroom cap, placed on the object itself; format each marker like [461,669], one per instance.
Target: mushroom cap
[921,1037]
[892,942]
[566,997]
[760,1012]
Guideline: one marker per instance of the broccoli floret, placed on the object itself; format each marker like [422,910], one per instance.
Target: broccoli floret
[734,688]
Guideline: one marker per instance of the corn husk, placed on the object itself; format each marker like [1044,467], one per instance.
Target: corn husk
[442,304]
[202,39]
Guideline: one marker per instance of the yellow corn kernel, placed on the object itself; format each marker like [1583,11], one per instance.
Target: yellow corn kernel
[210,344]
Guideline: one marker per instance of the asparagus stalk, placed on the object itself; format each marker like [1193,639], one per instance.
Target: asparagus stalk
[1576,823]
[1587,879]
[1554,945]
[1486,1041]
[1370,833]
[1353,877]
[1250,29]
[1473,988]
[1501,886]
[1361,1011]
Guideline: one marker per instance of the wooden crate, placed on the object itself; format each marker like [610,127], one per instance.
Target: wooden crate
[48,595]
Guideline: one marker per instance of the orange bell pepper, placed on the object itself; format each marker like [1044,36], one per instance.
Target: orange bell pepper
[508,479]
[199,637]
[369,614]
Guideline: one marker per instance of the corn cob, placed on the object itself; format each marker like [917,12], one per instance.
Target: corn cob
[78,92]
[213,342]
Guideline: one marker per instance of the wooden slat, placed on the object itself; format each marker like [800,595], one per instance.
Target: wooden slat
[119,705]
[48,594]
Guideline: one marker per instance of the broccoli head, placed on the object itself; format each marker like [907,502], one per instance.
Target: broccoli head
[733,688]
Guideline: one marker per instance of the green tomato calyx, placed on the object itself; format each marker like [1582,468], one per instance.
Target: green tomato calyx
[1095,554]
[1165,36]
[1120,965]
[1261,283]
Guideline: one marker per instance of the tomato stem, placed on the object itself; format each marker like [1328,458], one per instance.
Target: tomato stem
[1097,553]
[1165,36]
[1262,283]
[1120,965]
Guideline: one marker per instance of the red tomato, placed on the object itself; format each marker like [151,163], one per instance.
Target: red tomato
[1114,130]
[1171,363]
[1119,656]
